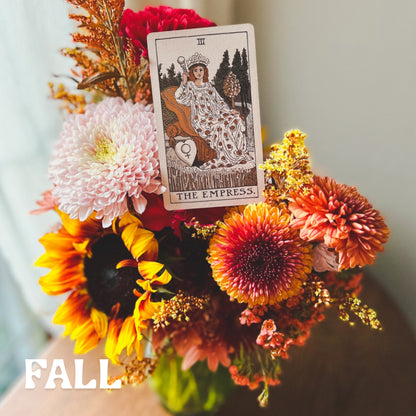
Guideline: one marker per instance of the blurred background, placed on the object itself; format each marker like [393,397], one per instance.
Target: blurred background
[343,72]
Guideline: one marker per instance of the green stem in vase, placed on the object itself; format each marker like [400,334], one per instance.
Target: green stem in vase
[197,391]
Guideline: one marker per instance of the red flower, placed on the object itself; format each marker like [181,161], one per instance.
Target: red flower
[155,217]
[137,26]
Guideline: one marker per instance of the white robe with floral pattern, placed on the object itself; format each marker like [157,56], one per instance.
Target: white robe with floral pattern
[214,122]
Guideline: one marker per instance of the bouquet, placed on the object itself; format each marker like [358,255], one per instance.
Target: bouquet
[232,289]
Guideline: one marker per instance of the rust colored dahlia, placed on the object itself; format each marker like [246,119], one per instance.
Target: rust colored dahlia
[342,218]
[257,257]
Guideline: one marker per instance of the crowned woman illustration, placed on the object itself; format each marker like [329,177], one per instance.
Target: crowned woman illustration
[222,128]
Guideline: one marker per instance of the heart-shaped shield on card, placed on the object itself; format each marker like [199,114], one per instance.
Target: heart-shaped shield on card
[186,151]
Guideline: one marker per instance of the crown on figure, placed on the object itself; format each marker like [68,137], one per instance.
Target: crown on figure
[196,59]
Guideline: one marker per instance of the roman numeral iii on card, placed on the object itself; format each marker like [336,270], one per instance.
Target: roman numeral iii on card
[205,95]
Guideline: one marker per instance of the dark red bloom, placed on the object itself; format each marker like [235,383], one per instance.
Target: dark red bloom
[137,26]
[155,217]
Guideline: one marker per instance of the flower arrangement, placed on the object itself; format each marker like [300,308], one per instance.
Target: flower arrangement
[232,287]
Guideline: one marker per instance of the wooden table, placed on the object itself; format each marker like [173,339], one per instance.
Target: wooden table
[341,371]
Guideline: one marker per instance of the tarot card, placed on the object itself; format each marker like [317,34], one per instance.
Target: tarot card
[205,95]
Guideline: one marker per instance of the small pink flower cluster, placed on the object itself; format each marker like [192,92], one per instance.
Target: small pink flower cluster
[253,315]
[270,338]
[252,384]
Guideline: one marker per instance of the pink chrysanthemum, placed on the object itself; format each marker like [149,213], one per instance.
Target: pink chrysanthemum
[257,258]
[105,156]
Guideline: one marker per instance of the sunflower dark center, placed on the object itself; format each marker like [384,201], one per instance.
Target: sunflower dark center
[107,285]
[260,260]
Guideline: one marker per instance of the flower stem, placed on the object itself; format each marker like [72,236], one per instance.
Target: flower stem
[119,52]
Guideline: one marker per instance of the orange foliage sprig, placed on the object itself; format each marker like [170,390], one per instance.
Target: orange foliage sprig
[104,60]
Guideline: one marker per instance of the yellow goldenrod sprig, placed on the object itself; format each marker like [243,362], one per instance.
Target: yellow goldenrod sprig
[73,103]
[287,168]
[136,371]
[177,309]
[352,305]
[320,294]
[204,232]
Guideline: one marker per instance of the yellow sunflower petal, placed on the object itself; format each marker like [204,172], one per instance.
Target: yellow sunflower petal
[129,219]
[144,310]
[48,260]
[112,339]
[85,344]
[83,330]
[138,347]
[82,247]
[100,321]
[73,312]
[60,280]
[54,260]
[128,336]
[149,269]
[80,228]
[57,283]
[145,240]
[75,302]
[86,337]
[137,240]
[163,279]
[126,263]
[152,251]
[146,285]
[55,243]
[129,235]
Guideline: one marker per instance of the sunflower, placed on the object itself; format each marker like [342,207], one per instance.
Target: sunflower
[110,275]
[257,258]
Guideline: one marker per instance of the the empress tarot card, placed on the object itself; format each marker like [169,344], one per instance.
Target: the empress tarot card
[205,94]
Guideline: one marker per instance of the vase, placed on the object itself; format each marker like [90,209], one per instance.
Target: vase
[194,392]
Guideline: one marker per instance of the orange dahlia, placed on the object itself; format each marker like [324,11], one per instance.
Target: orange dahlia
[110,275]
[257,257]
[341,218]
